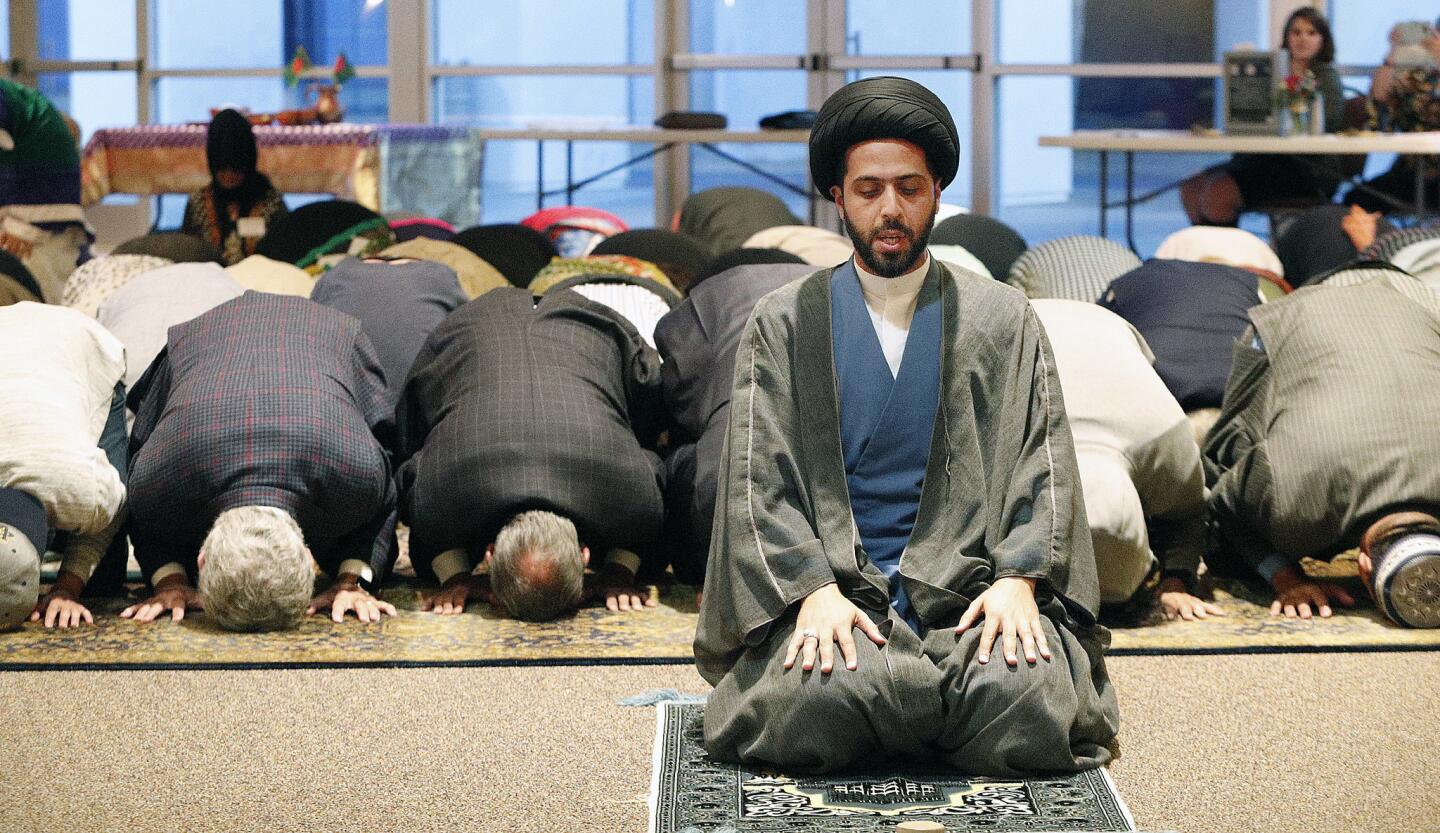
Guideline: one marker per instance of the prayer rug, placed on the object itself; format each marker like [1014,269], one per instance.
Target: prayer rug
[691,793]
[595,636]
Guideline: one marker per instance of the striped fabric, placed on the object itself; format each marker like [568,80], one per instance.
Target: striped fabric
[1331,426]
[1388,245]
[639,305]
[1077,268]
[1397,280]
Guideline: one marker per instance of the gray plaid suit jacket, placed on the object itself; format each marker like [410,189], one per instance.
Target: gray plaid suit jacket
[515,404]
[266,400]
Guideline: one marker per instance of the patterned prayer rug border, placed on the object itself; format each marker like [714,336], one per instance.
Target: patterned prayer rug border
[688,792]
[662,635]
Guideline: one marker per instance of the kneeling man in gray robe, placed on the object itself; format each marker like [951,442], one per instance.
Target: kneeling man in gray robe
[899,497]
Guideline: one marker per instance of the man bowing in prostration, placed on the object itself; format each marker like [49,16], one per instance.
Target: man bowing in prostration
[901,565]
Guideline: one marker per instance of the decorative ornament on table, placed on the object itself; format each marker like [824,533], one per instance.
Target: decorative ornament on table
[327,105]
[1298,99]
[297,66]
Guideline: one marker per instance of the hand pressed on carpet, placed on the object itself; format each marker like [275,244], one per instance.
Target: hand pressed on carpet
[343,597]
[450,599]
[173,593]
[621,591]
[1295,594]
[61,607]
[1178,603]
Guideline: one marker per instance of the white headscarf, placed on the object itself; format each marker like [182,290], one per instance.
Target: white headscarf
[1227,246]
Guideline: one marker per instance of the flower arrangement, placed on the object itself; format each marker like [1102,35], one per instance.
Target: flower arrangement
[1297,93]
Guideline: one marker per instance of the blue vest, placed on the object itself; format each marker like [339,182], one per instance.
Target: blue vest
[885,423]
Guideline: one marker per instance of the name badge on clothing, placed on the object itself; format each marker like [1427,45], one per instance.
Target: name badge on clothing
[250,226]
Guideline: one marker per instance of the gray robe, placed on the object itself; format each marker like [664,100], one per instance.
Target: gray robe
[1001,498]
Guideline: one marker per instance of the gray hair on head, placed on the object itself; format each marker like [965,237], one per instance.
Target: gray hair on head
[537,572]
[257,574]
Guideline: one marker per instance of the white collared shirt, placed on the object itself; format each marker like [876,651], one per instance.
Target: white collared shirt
[891,302]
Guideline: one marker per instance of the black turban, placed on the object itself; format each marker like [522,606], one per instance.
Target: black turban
[882,108]
[320,228]
[681,257]
[997,245]
[519,252]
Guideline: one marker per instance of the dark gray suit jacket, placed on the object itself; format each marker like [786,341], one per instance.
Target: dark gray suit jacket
[698,339]
[515,404]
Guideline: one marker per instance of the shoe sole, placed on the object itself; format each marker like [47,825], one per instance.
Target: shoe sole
[1409,590]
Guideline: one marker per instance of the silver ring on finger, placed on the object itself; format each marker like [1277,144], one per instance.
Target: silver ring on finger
[809,633]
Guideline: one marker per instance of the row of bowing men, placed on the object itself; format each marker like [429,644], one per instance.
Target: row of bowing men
[248,440]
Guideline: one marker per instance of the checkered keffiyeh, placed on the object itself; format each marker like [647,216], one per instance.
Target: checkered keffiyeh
[1077,268]
[1389,245]
[266,400]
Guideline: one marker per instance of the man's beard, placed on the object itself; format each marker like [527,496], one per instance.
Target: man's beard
[886,265]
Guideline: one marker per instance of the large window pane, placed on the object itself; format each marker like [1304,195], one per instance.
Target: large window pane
[328,27]
[179,100]
[580,101]
[1125,31]
[953,87]
[1362,27]
[1241,24]
[745,96]
[219,34]
[550,101]
[747,27]
[93,99]
[1053,192]
[85,30]
[539,32]
[932,27]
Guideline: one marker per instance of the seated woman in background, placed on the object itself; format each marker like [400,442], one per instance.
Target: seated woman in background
[1411,97]
[232,212]
[1216,196]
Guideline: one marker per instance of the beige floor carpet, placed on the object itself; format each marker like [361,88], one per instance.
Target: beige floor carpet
[1343,742]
